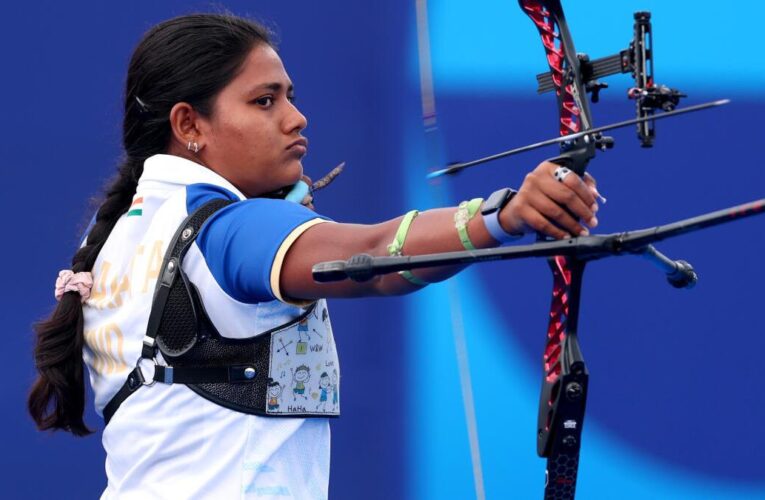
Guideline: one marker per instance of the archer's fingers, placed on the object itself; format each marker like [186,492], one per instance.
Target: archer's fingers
[593,185]
[540,224]
[572,193]
[558,215]
[590,182]
[581,188]
[544,177]
[574,199]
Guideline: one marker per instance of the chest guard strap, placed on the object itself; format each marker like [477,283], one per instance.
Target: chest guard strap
[233,373]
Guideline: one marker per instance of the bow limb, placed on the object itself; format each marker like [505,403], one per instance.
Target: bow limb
[434,146]
[565,377]
[570,89]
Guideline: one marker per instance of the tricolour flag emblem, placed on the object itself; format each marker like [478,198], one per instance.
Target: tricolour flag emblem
[137,207]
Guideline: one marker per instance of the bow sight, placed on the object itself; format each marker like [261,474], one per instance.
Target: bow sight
[637,59]
[571,77]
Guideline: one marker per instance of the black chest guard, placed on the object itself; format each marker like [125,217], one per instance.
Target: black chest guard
[239,374]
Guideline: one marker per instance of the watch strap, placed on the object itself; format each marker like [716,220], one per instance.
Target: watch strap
[491,209]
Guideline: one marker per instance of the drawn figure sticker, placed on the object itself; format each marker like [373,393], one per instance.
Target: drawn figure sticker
[302,346]
[310,385]
[274,393]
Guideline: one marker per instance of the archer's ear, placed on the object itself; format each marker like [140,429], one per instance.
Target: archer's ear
[185,124]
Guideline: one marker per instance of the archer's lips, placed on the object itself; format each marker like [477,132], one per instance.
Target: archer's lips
[299,146]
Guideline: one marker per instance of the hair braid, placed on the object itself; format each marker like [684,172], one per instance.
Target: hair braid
[57,399]
[186,59]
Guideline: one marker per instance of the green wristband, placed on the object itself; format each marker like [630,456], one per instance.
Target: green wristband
[466,211]
[397,246]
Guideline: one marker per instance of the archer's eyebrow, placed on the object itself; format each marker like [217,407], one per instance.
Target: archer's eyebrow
[273,87]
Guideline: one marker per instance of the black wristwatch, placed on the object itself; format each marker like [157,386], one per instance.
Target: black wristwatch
[497,200]
[490,210]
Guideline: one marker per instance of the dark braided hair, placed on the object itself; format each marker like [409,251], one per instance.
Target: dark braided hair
[187,59]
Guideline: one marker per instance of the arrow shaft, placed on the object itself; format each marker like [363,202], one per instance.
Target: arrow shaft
[453,169]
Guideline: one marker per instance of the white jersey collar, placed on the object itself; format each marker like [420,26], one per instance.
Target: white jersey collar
[170,169]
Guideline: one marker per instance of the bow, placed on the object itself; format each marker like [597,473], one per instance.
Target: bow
[564,384]
[572,76]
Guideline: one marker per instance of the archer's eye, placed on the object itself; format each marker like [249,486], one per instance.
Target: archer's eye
[266,101]
[292,98]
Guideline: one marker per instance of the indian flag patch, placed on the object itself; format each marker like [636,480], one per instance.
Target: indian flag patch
[137,207]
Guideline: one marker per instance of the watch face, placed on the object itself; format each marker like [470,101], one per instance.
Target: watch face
[497,200]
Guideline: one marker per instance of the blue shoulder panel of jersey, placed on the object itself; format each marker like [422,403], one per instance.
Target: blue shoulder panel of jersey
[239,242]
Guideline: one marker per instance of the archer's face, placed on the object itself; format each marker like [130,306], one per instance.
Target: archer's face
[252,133]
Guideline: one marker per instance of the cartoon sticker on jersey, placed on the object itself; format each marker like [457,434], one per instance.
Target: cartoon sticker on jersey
[302,345]
[325,387]
[283,347]
[274,393]
[304,368]
[300,376]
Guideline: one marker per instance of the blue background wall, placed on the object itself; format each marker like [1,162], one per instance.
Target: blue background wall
[674,408]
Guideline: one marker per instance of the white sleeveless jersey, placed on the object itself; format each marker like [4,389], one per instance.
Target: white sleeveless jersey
[165,441]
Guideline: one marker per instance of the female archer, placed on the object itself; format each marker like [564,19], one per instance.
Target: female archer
[210,133]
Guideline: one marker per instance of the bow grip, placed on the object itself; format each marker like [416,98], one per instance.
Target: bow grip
[572,160]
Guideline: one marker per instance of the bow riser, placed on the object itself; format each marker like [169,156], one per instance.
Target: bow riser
[564,386]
